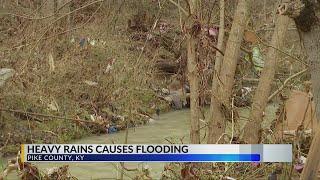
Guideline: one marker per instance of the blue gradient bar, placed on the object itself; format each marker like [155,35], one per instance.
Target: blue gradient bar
[146,157]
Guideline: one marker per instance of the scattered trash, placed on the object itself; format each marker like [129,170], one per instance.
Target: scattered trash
[211,31]
[120,117]
[245,91]
[110,65]
[296,113]
[243,97]
[298,167]
[59,173]
[92,117]
[112,129]
[5,73]
[82,42]
[108,69]
[176,102]
[302,159]
[165,91]
[72,40]
[103,42]
[257,59]
[229,178]
[298,110]
[51,63]
[88,41]
[92,42]
[98,119]
[149,36]
[91,83]
[53,106]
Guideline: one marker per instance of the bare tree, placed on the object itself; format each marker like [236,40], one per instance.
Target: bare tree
[252,129]
[306,14]
[216,124]
[193,72]
[228,67]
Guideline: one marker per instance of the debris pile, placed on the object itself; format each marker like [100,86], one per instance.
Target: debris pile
[28,171]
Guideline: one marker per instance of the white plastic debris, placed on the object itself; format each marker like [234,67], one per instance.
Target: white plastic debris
[72,40]
[103,42]
[149,36]
[108,69]
[92,42]
[91,83]
[245,91]
[303,159]
[257,59]
[52,170]
[53,106]
[51,62]
[5,73]
[230,178]
[92,117]
[165,91]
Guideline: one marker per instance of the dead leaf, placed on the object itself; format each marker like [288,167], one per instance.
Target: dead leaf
[250,37]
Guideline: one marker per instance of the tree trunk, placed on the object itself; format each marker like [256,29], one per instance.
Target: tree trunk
[307,22]
[232,52]
[193,74]
[228,68]
[310,171]
[260,99]
[311,41]
[216,122]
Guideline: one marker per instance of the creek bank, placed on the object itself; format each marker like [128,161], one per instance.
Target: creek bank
[26,126]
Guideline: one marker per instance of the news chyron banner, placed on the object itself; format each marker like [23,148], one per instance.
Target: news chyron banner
[156,153]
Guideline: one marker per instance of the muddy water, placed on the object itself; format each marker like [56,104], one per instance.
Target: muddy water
[172,126]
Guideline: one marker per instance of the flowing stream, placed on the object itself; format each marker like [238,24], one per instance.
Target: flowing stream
[173,126]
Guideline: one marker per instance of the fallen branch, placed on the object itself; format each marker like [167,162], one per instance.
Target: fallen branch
[285,83]
[46,115]
[307,132]
[127,169]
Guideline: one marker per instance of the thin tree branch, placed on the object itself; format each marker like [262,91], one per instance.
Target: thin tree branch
[285,83]
[180,7]
[283,52]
